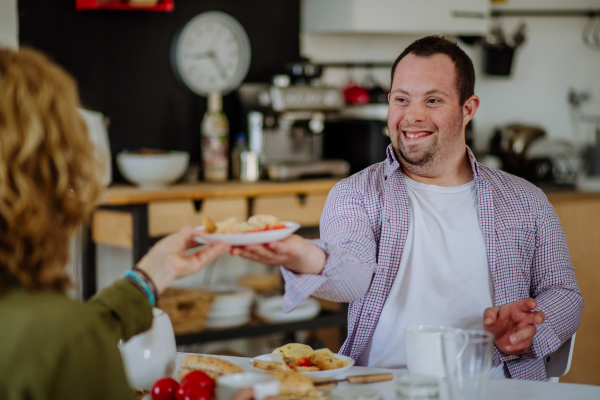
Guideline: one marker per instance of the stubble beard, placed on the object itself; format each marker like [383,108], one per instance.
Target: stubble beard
[434,156]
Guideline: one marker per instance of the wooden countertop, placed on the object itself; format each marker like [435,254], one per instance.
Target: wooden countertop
[119,195]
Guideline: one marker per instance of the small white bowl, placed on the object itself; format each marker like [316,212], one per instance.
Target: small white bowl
[271,310]
[151,171]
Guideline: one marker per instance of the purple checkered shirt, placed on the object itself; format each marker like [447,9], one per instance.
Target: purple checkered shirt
[364,228]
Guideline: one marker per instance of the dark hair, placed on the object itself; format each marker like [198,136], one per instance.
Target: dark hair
[432,45]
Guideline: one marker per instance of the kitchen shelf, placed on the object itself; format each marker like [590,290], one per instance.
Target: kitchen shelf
[163,5]
[545,13]
[325,319]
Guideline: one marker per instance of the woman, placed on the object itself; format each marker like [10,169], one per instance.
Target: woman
[50,346]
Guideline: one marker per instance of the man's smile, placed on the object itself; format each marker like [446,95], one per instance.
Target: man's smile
[416,134]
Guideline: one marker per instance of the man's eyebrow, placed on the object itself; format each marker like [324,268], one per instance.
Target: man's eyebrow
[432,91]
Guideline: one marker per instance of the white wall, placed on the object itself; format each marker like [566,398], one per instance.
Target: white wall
[552,60]
[9,24]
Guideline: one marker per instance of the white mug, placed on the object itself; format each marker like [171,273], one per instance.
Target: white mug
[263,385]
[423,344]
[150,355]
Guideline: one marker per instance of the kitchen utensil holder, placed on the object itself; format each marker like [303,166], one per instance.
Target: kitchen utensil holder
[498,60]
[187,308]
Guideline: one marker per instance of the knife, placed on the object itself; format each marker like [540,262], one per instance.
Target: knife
[354,379]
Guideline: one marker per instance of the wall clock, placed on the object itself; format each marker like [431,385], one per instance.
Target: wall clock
[211,53]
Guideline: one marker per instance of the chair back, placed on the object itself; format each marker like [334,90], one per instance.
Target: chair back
[558,363]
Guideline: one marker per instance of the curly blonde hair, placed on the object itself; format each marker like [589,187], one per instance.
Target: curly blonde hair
[49,170]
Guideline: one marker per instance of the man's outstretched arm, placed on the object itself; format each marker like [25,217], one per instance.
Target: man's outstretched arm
[339,266]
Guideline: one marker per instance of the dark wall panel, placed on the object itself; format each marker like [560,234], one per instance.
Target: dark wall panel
[121,62]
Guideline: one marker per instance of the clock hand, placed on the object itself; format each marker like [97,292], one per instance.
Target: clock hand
[219,66]
[200,56]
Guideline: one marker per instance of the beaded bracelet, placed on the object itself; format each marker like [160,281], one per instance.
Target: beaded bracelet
[141,284]
[148,280]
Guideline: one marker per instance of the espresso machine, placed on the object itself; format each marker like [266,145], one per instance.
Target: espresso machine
[285,125]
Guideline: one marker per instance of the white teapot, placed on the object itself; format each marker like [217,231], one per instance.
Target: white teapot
[150,355]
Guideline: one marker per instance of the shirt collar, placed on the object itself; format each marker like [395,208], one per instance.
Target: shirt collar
[393,164]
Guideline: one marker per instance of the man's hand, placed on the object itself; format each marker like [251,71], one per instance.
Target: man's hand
[513,325]
[294,253]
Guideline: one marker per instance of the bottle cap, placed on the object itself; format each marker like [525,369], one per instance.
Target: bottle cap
[215,102]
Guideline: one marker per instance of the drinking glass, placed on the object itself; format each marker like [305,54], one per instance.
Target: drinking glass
[423,344]
[468,359]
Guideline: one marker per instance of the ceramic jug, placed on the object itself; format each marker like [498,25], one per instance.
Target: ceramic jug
[150,355]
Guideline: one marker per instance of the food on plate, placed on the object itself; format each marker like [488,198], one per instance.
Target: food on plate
[164,389]
[200,379]
[211,366]
[293,385]
[326,362]
[301,358]
[231,225]
[293,350]
[270,365]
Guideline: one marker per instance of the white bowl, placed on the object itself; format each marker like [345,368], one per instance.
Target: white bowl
[153,170]
[271,310]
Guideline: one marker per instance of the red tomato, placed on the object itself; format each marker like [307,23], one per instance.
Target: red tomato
[192,392]
[199,378]
[164,389]
[303,362]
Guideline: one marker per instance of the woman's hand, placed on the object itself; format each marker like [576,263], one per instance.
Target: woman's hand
[167,259]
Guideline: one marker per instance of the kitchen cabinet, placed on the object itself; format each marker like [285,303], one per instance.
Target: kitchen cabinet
[579,215]
[132,218]
[464,17]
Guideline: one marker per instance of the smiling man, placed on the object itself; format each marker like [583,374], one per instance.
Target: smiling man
[430,236]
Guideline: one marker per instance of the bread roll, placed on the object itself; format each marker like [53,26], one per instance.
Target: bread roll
[326,362]
[263,221]
[294,384]
[211,366]
[270,365]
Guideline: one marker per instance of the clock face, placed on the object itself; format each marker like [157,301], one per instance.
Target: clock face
[211,53]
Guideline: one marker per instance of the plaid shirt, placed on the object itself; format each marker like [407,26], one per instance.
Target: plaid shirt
[363,231]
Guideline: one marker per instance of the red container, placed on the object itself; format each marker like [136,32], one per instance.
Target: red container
[162,5]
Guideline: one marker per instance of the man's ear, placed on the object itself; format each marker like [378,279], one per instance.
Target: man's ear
[470,108]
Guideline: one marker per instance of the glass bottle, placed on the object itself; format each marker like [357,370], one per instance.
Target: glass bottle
[214,141]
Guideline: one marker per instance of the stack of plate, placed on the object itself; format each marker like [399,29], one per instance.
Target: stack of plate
[271,310]
[231,306]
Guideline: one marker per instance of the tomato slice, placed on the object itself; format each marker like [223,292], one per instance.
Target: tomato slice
[278,226]
[303,362]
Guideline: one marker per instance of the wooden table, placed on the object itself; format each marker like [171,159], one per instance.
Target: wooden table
[498,389]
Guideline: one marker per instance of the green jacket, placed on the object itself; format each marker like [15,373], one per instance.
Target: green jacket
[53,348]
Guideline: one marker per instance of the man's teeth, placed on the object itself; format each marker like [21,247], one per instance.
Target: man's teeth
[412,135]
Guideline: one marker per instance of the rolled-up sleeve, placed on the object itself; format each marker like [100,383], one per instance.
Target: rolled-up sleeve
[348,240]
[123,309]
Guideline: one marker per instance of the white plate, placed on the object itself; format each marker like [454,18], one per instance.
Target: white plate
[227,322]
[271,310]
[315,374]
[241,239]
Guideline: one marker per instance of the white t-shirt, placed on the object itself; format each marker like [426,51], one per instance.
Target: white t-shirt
[443,279]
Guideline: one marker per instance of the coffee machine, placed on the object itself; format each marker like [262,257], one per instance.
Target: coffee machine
[285,126]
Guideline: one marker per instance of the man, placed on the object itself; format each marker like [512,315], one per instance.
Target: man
[431,236]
